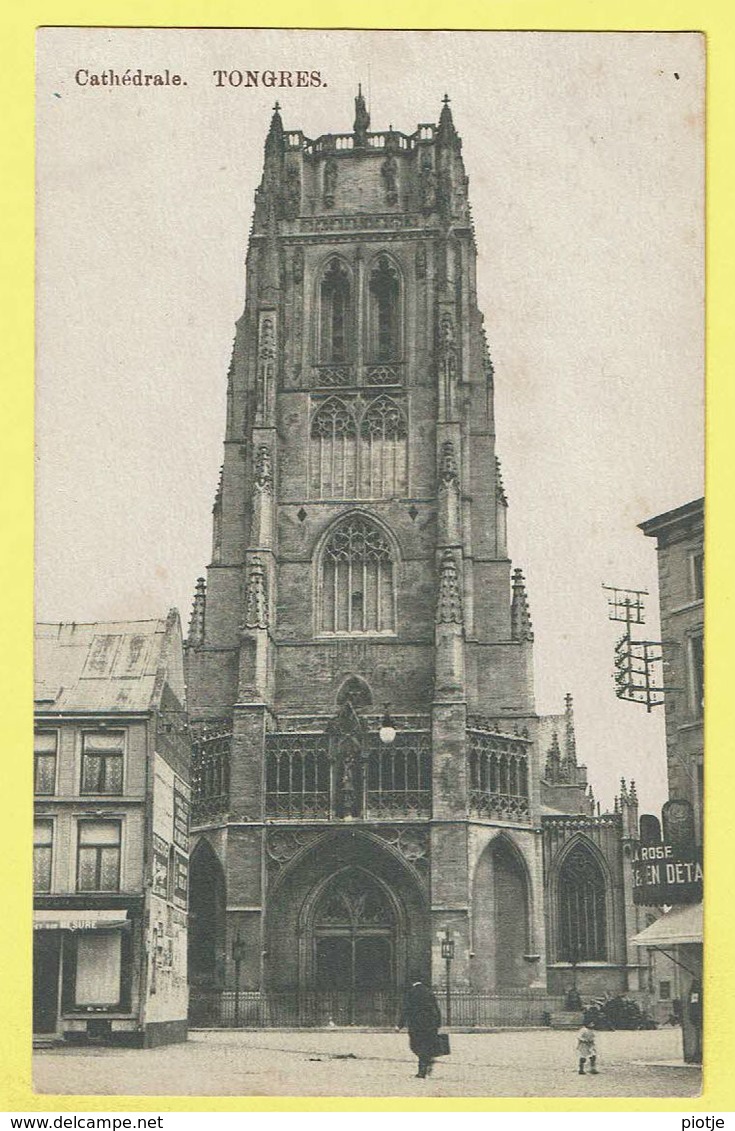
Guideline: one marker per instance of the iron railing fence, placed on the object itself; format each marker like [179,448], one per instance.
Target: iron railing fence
[369,1009]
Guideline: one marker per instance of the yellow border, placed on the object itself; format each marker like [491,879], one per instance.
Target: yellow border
[16,500]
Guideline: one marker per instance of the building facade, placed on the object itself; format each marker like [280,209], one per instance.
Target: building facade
[679,535]
[679,538]
[370,771]
[111,852]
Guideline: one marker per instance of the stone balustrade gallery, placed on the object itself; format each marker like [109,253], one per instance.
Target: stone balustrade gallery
[307,780]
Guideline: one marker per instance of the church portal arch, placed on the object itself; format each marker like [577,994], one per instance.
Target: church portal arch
[347,923]
[501,917]
[206,918]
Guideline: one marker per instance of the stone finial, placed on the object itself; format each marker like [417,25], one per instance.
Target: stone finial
[256,598]
[629,808]
[500,494]
[570,751]
[270,188]
[274,140]
[362,119]
[447,464]
[195,635]
[521,627]
[449,604]
[553,760]
[446,130]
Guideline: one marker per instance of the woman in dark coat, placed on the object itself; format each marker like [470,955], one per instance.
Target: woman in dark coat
[422,1017]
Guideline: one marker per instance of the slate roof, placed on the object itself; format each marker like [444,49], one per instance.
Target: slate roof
[108,666]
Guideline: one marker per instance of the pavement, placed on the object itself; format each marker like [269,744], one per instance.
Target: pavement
[344,1062]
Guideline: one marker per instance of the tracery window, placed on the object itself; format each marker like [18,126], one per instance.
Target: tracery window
[334,313]
[582,914]
[358,456]
[353,901]
[357,580]
[297,776]
[385,293]
[333,456]
[383,450]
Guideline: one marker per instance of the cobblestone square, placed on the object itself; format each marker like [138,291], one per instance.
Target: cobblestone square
[357,1063]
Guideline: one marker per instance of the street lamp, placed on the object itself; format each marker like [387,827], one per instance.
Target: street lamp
[387,732]
[448,955]
[238,952]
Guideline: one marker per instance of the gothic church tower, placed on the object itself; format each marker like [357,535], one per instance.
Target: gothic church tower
[359,559]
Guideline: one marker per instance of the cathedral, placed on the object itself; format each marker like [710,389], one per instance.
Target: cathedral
[375,796]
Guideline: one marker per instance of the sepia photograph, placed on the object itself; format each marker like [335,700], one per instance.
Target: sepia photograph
[369,647]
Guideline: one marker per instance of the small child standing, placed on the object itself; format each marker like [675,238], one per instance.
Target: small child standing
[586,1048]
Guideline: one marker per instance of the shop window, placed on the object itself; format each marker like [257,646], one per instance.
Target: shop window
[102,762]
[357,580]
[43,839]
[44,763]
[98,857]
[99,955]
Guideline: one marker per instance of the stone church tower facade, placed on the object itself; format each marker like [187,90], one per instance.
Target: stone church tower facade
[370,764]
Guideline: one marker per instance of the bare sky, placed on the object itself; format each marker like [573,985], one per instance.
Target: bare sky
[585,157]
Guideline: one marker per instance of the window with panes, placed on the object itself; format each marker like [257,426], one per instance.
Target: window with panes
[98,856]
[44,762]
[102,761]
[582,908]
[43,841]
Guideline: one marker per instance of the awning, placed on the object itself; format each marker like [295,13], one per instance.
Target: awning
[678,926]
[79,920]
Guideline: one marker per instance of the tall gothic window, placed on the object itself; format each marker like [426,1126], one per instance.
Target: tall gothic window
[357,580]
[385,345]
[334,313]
[582,916]
[384,450]
[333,451]
[358,456]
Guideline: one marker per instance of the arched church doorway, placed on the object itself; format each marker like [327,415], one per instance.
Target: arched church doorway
[206,919]
[511,916]
[353,942]
[500,918]
[347,926]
